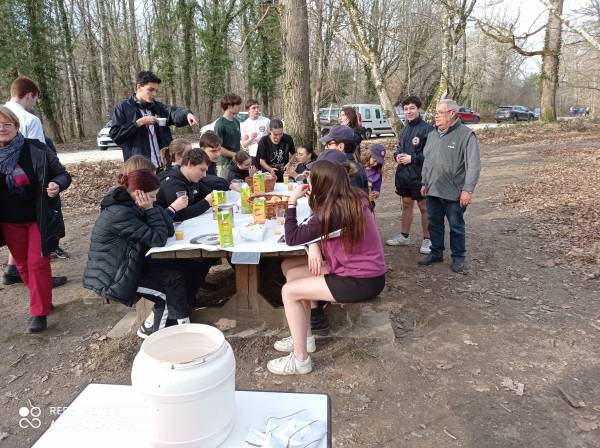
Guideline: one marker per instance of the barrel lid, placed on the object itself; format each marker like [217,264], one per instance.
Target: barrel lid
[184,346]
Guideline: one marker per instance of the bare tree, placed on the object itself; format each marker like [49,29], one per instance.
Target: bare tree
[550,54]
[454,58]
[71,70]
[371,59]
[107,84]
[326,16]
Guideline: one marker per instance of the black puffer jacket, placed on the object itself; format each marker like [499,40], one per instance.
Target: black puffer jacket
[122,235]
[47,168]
[133,138]
[412,141]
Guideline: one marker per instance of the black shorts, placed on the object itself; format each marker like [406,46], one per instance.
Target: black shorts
[413,193]
[354,289]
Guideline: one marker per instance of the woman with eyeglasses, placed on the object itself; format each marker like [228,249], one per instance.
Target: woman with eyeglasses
[31,177]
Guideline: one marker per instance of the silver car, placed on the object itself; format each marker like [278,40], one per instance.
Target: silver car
[103,140]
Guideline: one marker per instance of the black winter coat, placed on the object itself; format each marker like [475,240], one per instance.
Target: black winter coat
[133,138]
[122,235]
[196,193]
[412,141]
[47,168]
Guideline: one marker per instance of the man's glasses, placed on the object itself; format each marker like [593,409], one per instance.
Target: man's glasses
[442,113]
[7,125]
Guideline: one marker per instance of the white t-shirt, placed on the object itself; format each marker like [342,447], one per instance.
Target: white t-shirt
[30,125]
[260,126]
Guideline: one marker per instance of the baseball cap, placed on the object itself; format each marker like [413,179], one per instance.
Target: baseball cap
[331,155]
[378,153]
[339,133]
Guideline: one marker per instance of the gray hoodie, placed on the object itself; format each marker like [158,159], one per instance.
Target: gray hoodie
[452,163]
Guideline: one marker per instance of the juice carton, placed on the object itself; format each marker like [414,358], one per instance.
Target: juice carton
[258,183]
[245,193]
[259,210]
[225,226]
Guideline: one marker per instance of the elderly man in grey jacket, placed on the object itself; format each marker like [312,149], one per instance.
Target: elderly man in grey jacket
[450,173]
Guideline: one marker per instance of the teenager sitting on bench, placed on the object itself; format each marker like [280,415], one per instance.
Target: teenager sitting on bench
[345,262]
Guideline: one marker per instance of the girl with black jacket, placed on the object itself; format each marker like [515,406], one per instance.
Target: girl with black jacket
[129,224]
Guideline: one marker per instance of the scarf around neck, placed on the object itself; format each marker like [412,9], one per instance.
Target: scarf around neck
[16,178]
[10,154]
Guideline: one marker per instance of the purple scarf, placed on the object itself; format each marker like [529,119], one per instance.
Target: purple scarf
[16,178]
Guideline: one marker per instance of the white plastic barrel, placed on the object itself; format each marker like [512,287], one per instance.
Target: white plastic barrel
[186,376]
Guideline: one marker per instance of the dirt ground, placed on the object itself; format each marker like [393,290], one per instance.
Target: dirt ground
[481,360]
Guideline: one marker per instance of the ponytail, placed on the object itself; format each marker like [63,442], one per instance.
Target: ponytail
[165,157]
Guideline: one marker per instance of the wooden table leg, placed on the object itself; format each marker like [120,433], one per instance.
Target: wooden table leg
[247,295]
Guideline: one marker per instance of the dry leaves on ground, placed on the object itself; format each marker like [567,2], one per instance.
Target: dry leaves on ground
[536,132]
[562,201]
[90,183]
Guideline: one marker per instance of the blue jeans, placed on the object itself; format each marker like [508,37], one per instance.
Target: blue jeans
[437,209]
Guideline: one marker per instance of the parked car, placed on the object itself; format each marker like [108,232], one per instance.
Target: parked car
[513,114]
[373,119]
[579,111]
[242,116]
[467,115]
[329,116]
[536,113]
[103,140]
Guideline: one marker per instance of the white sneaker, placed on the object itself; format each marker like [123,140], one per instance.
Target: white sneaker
[399,240]
[425,246]
[290,365]
[286,345]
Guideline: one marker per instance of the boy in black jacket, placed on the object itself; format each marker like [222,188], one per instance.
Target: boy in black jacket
[186,178]
[140,124]
[409,157]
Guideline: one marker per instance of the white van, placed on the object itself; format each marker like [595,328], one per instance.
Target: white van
[373,119]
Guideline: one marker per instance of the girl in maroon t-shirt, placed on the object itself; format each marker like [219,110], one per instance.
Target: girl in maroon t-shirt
[345,258]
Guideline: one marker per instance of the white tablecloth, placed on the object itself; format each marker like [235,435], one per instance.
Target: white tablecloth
[206,224]
[110,416]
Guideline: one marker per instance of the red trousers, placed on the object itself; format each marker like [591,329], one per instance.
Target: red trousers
[25,244]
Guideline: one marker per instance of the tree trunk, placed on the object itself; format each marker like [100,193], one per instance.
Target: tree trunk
[186,14]
[573,26]
[135,47]
[550,63]
[71,72]
[107,92]
[320,65]
[296,83]
[372,61]
[441,91]
[91,62]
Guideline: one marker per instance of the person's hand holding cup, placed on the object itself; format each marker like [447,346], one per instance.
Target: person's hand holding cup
[299,192]
[235,185]
[146,120]
[181,202]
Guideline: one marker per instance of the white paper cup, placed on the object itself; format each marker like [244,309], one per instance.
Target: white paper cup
[161,121]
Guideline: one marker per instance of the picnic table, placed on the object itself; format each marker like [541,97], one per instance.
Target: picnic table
[247,302]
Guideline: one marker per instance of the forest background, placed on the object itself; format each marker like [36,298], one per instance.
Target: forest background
[295,56]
